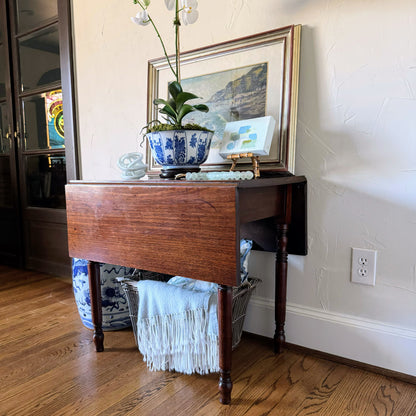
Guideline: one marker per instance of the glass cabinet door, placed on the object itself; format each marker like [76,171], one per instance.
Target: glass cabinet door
[39,105]
[43,121]
[33,13]
[39,58]
[45,181]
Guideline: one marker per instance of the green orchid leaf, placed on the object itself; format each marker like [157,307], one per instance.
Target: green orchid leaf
[183,97]
[174,89]
[167,108]
[175,107]
[172,103]
[201,107]
[160,101]
[185,109]
[168,111]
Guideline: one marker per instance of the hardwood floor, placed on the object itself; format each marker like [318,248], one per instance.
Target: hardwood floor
[49,367]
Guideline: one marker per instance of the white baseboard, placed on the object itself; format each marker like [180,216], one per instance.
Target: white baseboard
[358,339]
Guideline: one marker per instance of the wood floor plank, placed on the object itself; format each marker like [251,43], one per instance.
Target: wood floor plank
[49,367]
[251,390]
[74,375]
[366,394]
[204,389]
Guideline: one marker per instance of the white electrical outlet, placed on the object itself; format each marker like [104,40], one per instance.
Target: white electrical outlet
[363,266]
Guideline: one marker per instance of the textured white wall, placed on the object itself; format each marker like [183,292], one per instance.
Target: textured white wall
[356,136]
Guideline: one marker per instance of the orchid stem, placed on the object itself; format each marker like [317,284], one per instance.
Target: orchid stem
[177,23]
[163,45]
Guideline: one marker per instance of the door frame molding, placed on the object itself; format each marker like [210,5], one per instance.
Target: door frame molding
[68,89]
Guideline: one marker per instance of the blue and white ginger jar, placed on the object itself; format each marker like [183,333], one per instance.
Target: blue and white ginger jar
[115,309]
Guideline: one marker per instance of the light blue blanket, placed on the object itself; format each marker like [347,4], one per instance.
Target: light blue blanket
[177,328]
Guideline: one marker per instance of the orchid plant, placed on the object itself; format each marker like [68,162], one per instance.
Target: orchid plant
[175,108]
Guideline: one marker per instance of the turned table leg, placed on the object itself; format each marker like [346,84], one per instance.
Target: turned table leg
[96,311]
[225,298]
[280,287]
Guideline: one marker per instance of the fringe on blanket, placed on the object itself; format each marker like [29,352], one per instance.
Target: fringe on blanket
[179,342]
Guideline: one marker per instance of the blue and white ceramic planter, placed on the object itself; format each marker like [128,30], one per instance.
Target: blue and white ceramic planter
[115,309]
[179,151]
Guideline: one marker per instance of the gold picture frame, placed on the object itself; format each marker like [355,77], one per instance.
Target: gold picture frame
[276,53]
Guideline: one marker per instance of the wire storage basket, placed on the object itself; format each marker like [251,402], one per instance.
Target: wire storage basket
[241,297]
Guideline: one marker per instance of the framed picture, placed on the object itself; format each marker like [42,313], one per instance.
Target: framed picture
[242,79]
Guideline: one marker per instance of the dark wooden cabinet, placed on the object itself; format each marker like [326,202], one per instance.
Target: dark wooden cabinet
[11,248]
[35,76]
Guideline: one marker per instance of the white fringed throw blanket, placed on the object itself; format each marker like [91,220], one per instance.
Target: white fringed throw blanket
[177,328]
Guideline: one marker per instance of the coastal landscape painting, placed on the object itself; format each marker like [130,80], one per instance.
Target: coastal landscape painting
[231,95]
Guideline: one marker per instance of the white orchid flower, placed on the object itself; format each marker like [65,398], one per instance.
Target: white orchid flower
[189,11]
[142,18]
[170,4]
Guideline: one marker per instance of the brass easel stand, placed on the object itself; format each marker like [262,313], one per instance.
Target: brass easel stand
[254,159]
